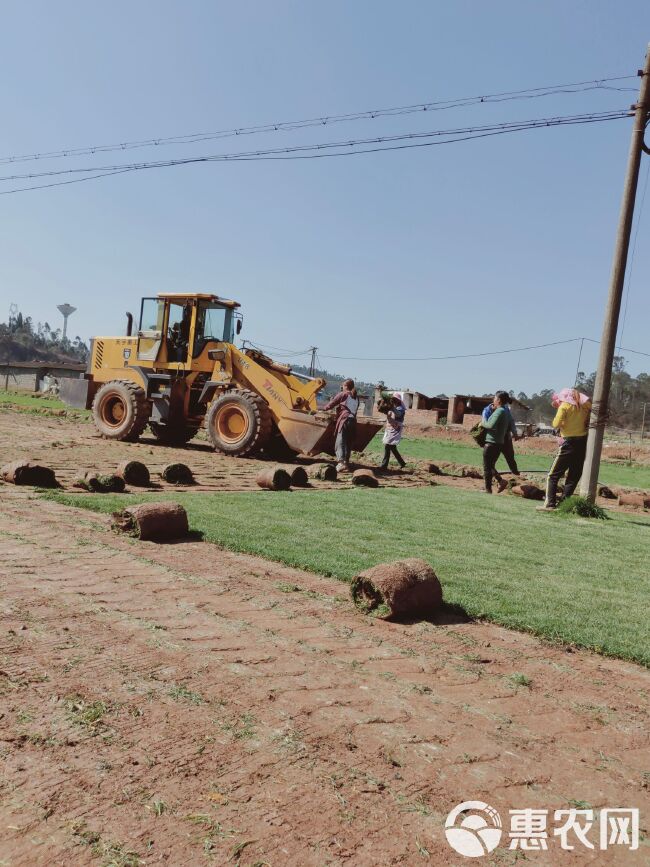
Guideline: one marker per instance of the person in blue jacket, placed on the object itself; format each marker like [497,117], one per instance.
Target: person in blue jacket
[507,450]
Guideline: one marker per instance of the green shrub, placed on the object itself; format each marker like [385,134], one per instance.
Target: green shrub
[583,507]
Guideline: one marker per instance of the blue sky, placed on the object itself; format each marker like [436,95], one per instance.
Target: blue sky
[467,247]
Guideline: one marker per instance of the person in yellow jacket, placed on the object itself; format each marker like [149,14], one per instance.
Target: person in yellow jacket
[572,420]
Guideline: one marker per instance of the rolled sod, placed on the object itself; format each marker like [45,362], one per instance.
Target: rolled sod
[177,474]
[323,472]
[528,492]
[134,473]
[152,522]
[274,479]
[365,478]
[639,501]
[29,473]
[406,588]
[299,477]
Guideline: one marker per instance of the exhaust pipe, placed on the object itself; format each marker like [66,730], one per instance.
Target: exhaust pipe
[129,324]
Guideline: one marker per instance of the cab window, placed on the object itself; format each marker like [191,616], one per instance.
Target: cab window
[151,317]
[213,323]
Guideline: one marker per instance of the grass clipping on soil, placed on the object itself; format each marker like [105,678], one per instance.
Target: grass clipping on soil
[100,484]
[583,507]
[407,588]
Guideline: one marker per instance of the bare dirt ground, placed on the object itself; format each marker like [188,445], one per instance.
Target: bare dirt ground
[190,705]
[194,706]
[71,448]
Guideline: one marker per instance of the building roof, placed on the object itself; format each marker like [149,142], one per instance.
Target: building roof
[481,398]
[43,365]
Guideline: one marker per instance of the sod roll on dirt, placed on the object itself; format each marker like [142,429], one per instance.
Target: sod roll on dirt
[29,473]
[406,588]
[299,477]
[177,474]
[639,501]
[528,492]
[274,479]
[323,472]
[152,522]
[134,473]
[365,478]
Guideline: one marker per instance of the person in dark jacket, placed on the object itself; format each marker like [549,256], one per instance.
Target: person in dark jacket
[346,403]
[496,426]
[508,449]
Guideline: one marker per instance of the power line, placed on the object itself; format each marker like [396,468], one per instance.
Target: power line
[453,357]
[280,352]
[622,348]
[581,340]
[327,149]
[327,120]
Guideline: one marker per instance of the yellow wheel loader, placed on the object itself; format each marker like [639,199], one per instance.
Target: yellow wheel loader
[181,370]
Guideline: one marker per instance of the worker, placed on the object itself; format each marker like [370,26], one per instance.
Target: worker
[347,406]
[508,450]
[179,336]
[393,431]
[572,420]
[496,426]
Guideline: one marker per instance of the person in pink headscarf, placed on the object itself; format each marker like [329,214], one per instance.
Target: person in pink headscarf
[572,420]
[393,432]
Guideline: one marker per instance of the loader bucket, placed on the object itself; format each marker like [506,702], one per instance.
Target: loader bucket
[365,432]
[313,434]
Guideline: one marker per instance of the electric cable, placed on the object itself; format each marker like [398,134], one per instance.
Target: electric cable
[327,149]
[320,356]
[328,120]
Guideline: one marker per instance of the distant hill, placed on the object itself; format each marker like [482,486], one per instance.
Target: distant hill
[21,341]
[334,381]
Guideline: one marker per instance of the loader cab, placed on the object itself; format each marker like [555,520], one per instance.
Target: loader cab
[174,328]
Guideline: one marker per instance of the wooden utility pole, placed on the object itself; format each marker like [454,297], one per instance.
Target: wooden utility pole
[610,326]
[312,366]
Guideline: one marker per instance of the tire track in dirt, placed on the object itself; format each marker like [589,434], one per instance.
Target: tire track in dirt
[181,700]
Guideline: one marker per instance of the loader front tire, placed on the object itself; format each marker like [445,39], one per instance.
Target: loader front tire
[239,423]
[120,410]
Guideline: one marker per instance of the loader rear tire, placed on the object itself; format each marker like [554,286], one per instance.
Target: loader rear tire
[121,410]
[239,423]
[171,435]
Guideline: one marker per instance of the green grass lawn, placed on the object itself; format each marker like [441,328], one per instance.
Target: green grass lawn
[27,400]
[584,582]
[635,476]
